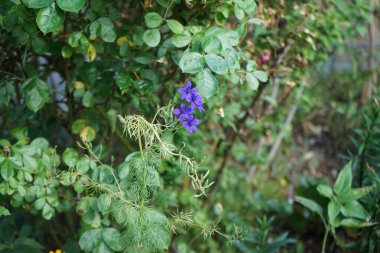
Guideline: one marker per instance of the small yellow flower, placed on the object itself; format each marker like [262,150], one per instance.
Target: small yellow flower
[58,251]
[51,251]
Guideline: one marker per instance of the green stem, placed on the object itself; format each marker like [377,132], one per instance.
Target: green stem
[325,240]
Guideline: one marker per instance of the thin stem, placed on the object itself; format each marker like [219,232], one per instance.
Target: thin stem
[325,240]
[140,144]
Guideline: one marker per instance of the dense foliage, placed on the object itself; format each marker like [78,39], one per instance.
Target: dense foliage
[133,126]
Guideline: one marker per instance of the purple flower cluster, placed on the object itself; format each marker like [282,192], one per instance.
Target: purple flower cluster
[184,113]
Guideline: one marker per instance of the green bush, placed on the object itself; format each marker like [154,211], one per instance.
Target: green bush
[99,156]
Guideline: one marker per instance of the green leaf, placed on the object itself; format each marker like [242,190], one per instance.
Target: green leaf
[252,81]
[206,83]
[38,4]
[6,169]
[112,118]
[77,126]
[90,240]
[175,26]
[50,19]
[107,30]
[358,193]
[67,52]
[191,62]
[333,210]
[228,38]
[152,37]
[88,99]
[343,183]
[48,211]
[212,45]
[36,93]
[71,5]
[181,40]
[261,76]
[111,237]
[4,211]
[217,64]
[231,56]
[310,204]
[83,165]
[70,157]
[354,223]
[354,209]
[153,20]
[255,21]
[325,190]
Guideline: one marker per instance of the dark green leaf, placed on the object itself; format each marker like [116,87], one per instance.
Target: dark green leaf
[71,5]
[50,19]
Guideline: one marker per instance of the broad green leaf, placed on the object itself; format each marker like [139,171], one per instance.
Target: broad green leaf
[212,45]
[153,20]
[206,83]
[231,56]
[50,19]
[354,223]
[48,211]
[75,39]
[77,126]
[354,209]
[175,26]
[239,13]
[261,76]
[333,210]
[310,204]
[191,62]
[34,100]
[325,190]
[90,240]
[152,37]
[88,99]
[38,4]
[4,211]
[70,157]
[67,52]
[111,237]
[107,30]
[343,183]
[36,93]
[252,81]
[181,40]
[228,38]
[40,203]
[83,165]
[6,169]
[217,64]
[71,5]
[358,193]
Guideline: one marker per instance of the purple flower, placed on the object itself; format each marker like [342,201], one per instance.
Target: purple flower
[187,91]
[191,124]
[196,101]
[183,112]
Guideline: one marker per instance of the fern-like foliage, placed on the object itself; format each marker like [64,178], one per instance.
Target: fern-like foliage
[367,164]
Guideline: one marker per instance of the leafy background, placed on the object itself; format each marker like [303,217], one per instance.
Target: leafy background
[285,159]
